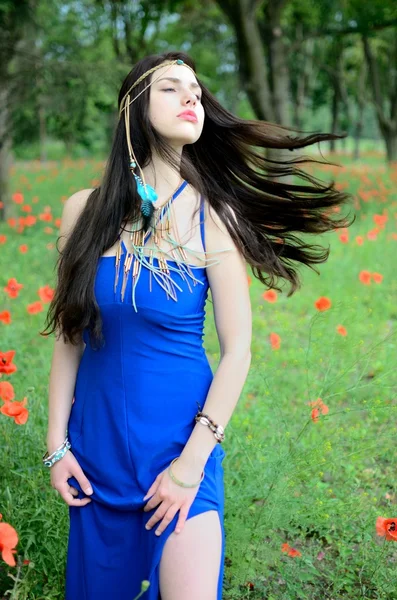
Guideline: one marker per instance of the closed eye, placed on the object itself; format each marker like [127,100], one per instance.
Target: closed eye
[174,90]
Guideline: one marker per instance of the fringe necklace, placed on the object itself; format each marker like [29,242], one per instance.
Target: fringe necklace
[164,228]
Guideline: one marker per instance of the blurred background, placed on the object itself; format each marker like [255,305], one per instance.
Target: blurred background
[326,65]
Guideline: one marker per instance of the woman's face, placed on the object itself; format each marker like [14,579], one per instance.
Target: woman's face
[169,98]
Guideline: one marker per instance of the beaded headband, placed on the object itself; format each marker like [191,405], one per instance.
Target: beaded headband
[178,61]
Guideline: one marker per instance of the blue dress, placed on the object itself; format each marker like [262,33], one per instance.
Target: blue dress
[133,412]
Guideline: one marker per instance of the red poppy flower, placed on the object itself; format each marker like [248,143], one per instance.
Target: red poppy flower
[289,550]
[8,541]
[377,277]
[319,406]
[270,296]
[17,198]
[5,316]
[323,303]
[380,220]
[6,365]
[30,220]
[387,528]
[46,293]
[16,410]
[275,341]
[12,288]
[365,277]
[35,307]
[6,390]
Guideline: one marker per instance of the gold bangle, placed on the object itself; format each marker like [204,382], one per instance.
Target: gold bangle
[178,482]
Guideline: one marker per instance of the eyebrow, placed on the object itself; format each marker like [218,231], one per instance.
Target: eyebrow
[177,80]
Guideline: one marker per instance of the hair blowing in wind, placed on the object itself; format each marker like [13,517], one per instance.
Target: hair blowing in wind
[228,166]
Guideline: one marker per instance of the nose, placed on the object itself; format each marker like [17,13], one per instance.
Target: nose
[190,97]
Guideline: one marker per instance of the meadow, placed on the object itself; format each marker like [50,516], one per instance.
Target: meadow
[310,449]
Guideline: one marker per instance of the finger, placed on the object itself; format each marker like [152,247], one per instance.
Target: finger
[153,502]
[73,491]
[158,515]
[169,515]
[63,490]
[153,487]
[85,485]
[181,520]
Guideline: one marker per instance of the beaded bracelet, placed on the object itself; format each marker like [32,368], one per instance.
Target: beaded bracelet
[50,460]
[217,430]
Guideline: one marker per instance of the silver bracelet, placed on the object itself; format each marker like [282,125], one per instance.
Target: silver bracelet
[50,460]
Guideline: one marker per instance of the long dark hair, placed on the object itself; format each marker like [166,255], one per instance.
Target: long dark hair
[226,165]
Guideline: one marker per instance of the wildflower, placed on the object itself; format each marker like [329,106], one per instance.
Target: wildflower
[6,390]
[323,303]
[275,341]
[387,528]
[5,316]
[16,410]
[365,277]
[6,365]
[377,277]
[8,541]
[270,296]
[289,550]
[35,307]
[12,288]
[46,293]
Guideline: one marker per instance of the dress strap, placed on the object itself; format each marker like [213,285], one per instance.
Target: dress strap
[202,220]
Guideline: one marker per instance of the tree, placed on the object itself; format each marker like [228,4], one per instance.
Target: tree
[16,20]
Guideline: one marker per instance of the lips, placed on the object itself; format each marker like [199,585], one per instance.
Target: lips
[189,115]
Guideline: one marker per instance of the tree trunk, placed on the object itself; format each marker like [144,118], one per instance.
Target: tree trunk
[5,151]
[387,126]
[262,60]
[337,88]
[360,111]
[278,66]
[391,146]
[43,131]
[335,114]
[304,78]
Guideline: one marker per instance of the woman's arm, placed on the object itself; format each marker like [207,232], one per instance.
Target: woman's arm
[64,366]
[233,320]
[66,357]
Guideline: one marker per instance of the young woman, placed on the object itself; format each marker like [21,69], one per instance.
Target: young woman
[187,199]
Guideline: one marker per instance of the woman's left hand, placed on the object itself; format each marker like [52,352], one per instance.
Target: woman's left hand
[172,497]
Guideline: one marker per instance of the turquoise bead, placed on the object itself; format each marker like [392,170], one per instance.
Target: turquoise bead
[179,61]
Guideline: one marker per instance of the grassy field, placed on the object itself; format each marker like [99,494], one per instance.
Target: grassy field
[310,448]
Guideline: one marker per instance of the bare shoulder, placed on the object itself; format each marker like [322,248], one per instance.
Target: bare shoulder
[217,235]
[231,263]
[72,209]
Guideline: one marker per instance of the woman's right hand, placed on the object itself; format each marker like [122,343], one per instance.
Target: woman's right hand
[61,471]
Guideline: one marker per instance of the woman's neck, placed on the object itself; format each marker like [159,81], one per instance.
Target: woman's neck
[162,177]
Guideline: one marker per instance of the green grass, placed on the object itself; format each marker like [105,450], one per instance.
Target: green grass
[318,486]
